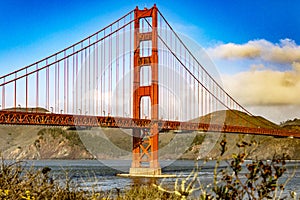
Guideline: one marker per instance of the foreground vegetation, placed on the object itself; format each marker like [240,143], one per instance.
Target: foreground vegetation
[259,180]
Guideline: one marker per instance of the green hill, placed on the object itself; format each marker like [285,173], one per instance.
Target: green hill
[264,147]
[32,109]
[291,124]
[236,118]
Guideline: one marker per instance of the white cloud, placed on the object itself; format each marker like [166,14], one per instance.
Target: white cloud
[270,71]
[264,86]
[286,51]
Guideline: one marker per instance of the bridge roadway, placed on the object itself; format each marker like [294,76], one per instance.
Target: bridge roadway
[53,119]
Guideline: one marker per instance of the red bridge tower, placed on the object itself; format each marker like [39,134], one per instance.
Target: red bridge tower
[145,142]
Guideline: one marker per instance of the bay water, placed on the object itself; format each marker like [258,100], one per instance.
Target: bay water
[101,175]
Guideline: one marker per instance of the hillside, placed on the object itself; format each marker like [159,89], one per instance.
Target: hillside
[263,147]
[291,124]
[32,109]
[35,142]
[237,118]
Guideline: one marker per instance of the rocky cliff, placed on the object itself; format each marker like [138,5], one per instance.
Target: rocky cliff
[21,142]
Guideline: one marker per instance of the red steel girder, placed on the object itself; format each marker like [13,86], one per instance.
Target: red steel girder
[52,119]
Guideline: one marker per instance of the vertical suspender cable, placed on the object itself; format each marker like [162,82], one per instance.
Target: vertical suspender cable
[37,89]
[77,82]
[124,73]
[101,76]
[88,110]
[58,91]
[65,82]
[47,86]
[67,109]
[73,81]
[104,78]
[96,77]
[15,93]
[81,79]
[26,106]
[85,82]
[117,70]
[3,94]
[110,71]
[130,67]
[55,86]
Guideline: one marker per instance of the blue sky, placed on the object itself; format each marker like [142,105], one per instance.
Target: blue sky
[37,28]
[266,32]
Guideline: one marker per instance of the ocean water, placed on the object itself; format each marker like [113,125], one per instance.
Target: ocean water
[100,175]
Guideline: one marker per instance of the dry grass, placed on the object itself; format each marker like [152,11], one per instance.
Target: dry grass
[17,182]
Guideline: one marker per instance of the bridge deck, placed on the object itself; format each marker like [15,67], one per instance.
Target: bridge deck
[53,119]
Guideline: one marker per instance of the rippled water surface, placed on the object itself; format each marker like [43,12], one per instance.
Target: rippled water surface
[101,175]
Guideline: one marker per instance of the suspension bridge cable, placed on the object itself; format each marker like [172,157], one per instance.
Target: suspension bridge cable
[65,49]
[207,74]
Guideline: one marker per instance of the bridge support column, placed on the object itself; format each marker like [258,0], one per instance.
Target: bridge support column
[145,141]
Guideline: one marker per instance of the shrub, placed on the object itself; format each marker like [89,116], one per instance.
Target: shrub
[259,180]
[18,183]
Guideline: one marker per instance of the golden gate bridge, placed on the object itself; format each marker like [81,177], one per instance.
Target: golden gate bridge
[135,73]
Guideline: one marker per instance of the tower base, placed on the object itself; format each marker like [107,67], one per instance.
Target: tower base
[142,171]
